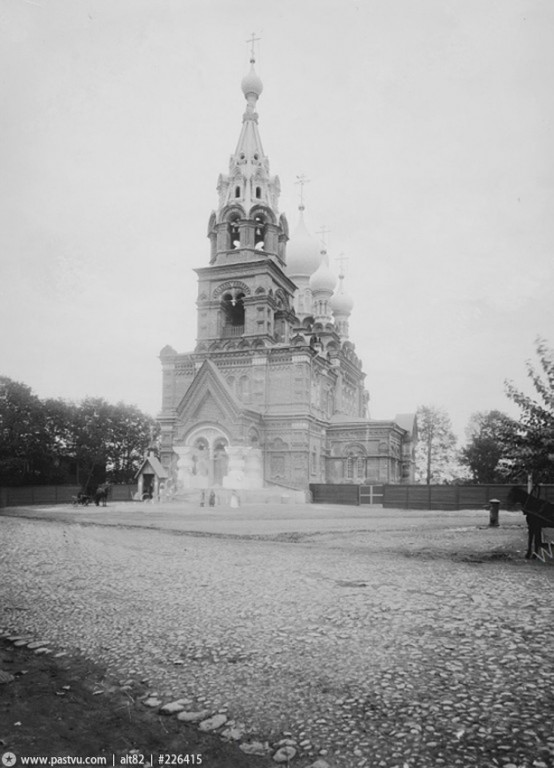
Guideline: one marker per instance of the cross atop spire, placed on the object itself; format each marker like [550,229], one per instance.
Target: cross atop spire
[342,260]
[248,181]
[253,40]
[302,180]
[324,231]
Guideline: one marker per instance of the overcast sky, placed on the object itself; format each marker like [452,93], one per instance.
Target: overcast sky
[424,126]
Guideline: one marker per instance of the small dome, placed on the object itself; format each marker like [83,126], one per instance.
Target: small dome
[167,351]
[323,279]
[303,256]
[251,83]
[341,303]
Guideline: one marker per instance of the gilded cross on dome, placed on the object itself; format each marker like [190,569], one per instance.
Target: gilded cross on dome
[342,260]
[252,40]
[324,231]
[302,180]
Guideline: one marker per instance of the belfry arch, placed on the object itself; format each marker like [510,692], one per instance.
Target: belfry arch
[233,232]
[264,235]
[260,231]
[232,306]
[231,313]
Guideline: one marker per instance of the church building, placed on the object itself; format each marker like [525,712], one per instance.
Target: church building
[273,394]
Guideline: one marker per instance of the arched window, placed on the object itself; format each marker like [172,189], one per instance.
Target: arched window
[233,312]
[258,193]
[237,191]
[354,467]
[259,232]
[234,233]
[349,468]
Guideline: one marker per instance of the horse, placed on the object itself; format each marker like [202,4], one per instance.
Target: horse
[101,495]
[539,514]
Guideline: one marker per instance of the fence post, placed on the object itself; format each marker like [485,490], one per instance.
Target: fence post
[494,506]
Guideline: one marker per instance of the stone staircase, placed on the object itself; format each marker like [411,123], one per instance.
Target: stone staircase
[267,495]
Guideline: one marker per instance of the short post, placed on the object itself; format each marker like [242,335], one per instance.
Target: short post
[494,506]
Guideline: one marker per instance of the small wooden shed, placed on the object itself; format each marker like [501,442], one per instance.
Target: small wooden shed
[149,477]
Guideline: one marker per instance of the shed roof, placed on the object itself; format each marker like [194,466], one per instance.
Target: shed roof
[155,465]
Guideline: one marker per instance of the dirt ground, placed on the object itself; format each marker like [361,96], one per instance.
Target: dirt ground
[53,708]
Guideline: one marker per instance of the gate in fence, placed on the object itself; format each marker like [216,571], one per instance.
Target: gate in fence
[326,493]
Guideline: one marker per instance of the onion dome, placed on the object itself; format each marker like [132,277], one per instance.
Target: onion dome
[251,83]
[323,279]
[303,256]
[341,302]
[167,351]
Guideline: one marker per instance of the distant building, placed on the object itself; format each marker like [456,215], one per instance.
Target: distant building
[273,393]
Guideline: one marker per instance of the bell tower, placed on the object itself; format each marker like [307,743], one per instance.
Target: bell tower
[269,396]
[244,292]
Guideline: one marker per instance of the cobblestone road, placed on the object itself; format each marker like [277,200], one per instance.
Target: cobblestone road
[392,645]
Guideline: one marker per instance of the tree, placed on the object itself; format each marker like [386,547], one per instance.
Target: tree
[532,446]
[39,439]
[435,452]
[61,417]
[90,434]
[110,440]
[490,434]
[24,439]
[132,432]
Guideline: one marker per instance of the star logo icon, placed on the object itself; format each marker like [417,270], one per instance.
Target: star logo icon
[8,759]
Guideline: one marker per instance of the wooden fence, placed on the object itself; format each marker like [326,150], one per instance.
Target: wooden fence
[390,496]
[27,495]
[450,496]
[24,496]
[417,496]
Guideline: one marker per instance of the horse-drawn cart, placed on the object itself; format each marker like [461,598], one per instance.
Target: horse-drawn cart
[81,500]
